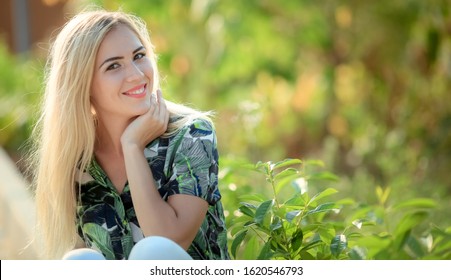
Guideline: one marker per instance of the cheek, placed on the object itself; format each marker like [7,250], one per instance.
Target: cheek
[147,68]
[104,86]
[99,92]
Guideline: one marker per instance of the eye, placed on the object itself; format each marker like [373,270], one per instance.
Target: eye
[113,66]
[139,56]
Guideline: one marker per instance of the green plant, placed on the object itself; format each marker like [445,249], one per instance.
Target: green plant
[288,226]
[287,222]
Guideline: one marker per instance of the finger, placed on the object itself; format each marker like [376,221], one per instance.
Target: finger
[154,105]
[162,105]
[159,94]
[154,99]
[166,119]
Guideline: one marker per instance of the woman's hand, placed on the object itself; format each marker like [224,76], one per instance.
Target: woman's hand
[149,126]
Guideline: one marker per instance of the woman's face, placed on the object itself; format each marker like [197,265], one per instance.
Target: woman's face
[123,76]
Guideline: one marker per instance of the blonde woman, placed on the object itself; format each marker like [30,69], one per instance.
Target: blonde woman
[119,171]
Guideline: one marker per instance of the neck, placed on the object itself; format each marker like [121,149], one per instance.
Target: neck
[108,136]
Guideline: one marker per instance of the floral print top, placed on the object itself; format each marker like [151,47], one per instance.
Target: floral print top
[186,163]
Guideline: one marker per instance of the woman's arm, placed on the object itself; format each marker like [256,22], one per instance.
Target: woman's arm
[178,219]
[181,216]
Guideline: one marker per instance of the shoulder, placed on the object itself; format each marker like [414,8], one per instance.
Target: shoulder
[193,128]
[196,136]
[200,127]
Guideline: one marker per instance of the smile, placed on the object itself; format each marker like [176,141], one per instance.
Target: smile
[137,92]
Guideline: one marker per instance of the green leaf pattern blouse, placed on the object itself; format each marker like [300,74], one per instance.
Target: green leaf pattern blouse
[186,163]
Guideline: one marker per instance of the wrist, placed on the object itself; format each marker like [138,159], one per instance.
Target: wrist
[129,146]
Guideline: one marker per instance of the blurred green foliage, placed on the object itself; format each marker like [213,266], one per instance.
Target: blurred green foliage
[362,86]
[20,84]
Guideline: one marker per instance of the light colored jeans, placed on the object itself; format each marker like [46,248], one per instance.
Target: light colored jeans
[149,248]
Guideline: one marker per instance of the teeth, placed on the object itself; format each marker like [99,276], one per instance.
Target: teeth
[139,91]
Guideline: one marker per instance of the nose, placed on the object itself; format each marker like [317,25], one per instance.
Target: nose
[134,73]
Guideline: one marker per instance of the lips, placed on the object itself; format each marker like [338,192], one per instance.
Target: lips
[137,92]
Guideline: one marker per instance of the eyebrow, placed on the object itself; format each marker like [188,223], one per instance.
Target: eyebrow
[119,57]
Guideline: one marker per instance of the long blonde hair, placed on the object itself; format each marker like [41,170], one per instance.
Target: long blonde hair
[64,134]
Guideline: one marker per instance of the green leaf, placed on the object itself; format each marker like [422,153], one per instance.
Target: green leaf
[326,233]
[285,162]
[238,224]
[327,192]
[275,242]
[275,224]
[410,220]
[237,240]
[406,224]
[249,223]
[295,201]
[286,181]
[246,210]
[311,228]
[354,235]
[382,194]
[339,244]
[251,249]
[292,214]
[286,173]
[314,162]
[261,211]
[296,240]
[329,206]
[306,256]
[357,253]
[263,167]
[374,244]
[415,248]
[416,203]
[249,205]
[265,253]
[312,244]
[442,240]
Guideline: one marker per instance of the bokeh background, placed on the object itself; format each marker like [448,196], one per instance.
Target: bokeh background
[363,86]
